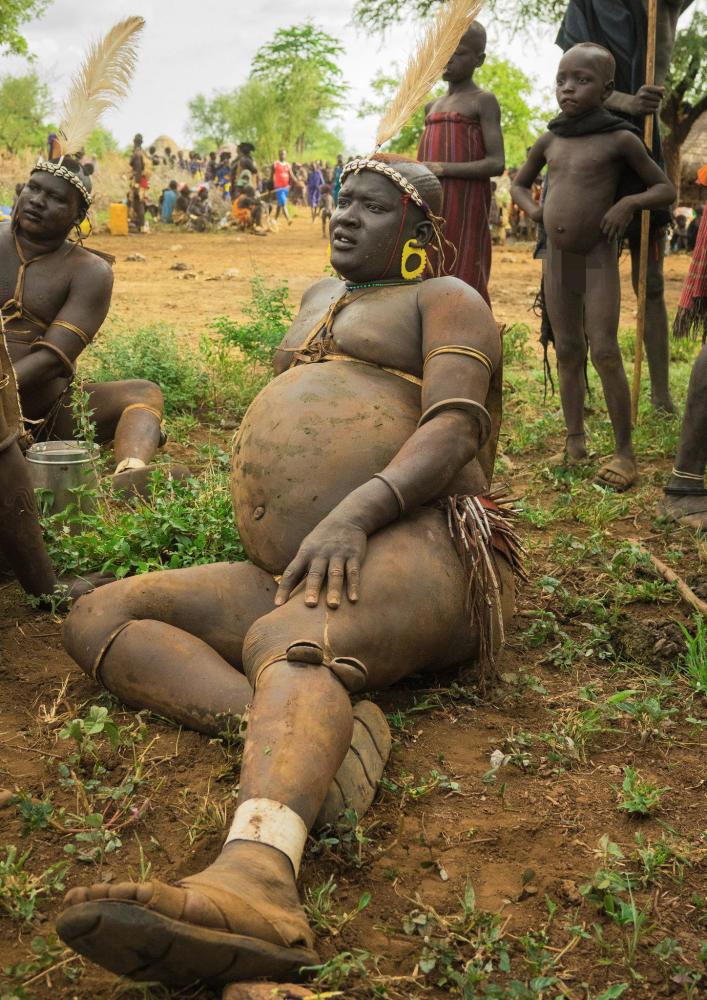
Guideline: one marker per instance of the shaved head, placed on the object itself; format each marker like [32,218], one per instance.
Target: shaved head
[476,36]
[600,57]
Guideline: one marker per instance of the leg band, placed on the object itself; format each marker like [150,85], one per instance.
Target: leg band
[348,670]
[98,662]
[264,821]
[143,406]
[128,465]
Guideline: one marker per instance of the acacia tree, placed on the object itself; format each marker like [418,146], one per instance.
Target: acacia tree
[685,93]
[301,64]
[376,15]
[24,106]
[13,14]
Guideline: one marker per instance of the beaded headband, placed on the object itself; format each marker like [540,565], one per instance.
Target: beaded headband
[380,167]
[59,170]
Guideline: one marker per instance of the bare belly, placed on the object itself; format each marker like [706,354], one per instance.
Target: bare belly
[313,435]
[573,227]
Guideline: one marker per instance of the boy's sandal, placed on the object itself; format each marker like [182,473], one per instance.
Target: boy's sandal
[624,482]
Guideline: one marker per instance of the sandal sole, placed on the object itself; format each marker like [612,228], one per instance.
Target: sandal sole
[130,940]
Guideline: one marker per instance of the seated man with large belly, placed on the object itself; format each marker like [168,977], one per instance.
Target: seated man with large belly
[54,296]
[354,476]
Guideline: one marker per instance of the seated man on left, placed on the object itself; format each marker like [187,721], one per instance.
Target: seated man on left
[54,296]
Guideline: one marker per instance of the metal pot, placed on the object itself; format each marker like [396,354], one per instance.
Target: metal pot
[63,466]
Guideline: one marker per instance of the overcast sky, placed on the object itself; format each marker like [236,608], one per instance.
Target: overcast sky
[190,47]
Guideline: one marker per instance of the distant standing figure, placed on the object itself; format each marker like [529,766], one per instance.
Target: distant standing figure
[139,171]
[338,171]
[169,200]
[326,207]
[282,178]
[315,179]
[463,146]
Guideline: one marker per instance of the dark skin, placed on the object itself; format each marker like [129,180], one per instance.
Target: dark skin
[336,531]
[467,98]
[686,503]
[68,283]
[589,227]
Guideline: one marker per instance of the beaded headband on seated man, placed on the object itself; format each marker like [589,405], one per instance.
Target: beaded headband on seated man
[386,165]
[57,169]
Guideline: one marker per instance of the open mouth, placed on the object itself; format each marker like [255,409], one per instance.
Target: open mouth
[341,241]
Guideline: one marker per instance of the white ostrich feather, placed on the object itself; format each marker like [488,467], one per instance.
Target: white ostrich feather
[427,64]
[102,81]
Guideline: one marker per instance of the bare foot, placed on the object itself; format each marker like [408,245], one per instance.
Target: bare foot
[239,919]
[689,509]
[574,453]
[663,403]
[619,473]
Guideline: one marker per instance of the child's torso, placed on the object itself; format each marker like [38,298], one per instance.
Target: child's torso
[583,174]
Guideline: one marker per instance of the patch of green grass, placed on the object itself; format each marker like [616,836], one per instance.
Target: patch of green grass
[693,662]
[151,352]
[268,317]
[21,891]
[184,523]
[637,797]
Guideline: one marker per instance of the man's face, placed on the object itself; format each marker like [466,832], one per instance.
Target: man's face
[365,228]
[48,207]
[581,83]
[282,155]
[467,56]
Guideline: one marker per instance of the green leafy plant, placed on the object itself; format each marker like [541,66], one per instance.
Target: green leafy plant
[21,891]
[637,797]
[693,662]
[268,316]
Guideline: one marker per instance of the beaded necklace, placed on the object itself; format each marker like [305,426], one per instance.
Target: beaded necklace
[354,287]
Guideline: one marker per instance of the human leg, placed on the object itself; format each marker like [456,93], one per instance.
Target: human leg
[685,496]
[172,641]
[304,662]
[603,302]
[565,310]
[656,336]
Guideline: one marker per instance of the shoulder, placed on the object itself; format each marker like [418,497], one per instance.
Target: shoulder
[450,302]
[89,270]
[487,102]
[628,142]
[331,286]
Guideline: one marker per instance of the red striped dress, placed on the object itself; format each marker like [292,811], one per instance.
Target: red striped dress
[450,137]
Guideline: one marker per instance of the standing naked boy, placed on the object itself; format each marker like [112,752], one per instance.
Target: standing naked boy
[463,146]
[586,150]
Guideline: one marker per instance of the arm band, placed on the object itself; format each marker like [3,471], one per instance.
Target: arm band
[67,363]
[83,337]
[467,352]
[480,413]
[394,490]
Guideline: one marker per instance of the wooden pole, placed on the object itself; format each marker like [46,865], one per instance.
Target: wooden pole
[645,222]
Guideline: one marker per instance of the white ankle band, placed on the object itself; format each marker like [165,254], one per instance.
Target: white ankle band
[264,821]
[128,464]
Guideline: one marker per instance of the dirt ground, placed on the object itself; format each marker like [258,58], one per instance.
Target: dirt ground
[527,838]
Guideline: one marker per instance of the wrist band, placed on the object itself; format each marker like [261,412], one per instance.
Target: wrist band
[66,361]
[83,337]
[264,821]
[480,413]
[394,490]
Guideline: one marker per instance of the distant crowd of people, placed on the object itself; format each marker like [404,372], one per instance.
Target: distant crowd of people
[230,189]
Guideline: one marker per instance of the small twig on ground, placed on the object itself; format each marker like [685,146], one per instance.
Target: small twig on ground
[671,576]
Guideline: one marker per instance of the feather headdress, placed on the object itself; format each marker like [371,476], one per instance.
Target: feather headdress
[101,82]
[426,65]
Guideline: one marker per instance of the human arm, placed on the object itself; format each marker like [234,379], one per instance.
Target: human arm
[659,192]
[521,188]
[452,429]
[85,309]
[494,162]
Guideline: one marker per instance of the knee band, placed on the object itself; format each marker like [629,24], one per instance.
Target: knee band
[97,662]
[349,671]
